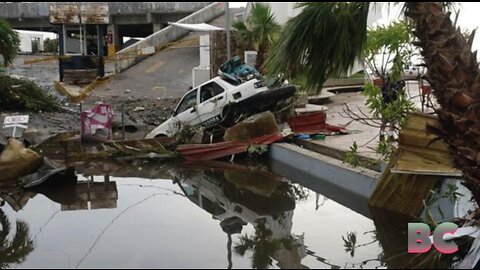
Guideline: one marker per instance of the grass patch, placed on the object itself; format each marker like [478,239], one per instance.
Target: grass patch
[24,95]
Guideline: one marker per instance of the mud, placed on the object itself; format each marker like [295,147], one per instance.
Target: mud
[152,112]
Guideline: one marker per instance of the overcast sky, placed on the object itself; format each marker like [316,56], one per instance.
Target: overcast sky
[468,19]
[469,16]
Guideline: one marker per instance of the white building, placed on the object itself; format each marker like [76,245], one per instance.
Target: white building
[32,41]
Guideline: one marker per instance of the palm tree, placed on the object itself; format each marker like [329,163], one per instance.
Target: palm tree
[326,38]
[322,41]
[258,31]
[14,251]
[263,248]
[9,42]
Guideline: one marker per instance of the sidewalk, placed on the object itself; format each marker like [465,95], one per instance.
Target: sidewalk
[367,137]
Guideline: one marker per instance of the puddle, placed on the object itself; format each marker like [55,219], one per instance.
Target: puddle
[210,215]
[186,217]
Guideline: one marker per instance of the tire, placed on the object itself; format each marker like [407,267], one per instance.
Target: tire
[265,100]
[229,115]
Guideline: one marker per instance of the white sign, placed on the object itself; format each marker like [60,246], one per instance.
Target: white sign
[148,50]
[74,14]
[16,119]
[15,122]
[64,14]
[94,14]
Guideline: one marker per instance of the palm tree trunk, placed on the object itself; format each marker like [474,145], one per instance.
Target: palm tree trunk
[454,75]
[262,51]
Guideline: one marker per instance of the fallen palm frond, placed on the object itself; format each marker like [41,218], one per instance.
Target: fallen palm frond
[151,148]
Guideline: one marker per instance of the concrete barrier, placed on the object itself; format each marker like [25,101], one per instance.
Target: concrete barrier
[361,182]
[166,35]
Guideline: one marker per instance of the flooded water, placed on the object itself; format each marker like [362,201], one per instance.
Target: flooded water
[222,216]
[187,217]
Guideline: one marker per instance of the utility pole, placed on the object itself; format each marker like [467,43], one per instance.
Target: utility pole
[227,19]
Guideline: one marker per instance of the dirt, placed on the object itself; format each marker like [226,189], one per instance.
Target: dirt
[143,111]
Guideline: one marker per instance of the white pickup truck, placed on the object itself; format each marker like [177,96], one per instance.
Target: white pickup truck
[221,101]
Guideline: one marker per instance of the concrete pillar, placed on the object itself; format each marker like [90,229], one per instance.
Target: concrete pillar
[157,27]
[62,32]
[100,40]
[83,39]
[114,41]
[120,42]
[100,50]
[62,36]
[205,50]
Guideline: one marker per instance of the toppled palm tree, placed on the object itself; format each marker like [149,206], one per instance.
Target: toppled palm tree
[326,38]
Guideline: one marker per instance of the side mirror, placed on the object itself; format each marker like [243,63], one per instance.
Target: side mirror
[193,109]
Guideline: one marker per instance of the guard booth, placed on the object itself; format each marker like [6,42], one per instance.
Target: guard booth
[82,31]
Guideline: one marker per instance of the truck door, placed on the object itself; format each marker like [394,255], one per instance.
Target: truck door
[186,112]
[212,100]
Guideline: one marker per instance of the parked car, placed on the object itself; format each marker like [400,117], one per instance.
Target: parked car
[238,91]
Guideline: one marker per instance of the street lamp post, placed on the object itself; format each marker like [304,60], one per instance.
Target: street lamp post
[227,19]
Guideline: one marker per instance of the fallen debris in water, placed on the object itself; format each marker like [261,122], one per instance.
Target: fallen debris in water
[148,148]
[258,129]
[255,126]
[192,152]
[16,160]
[49,173]
[72,147]
[420,163]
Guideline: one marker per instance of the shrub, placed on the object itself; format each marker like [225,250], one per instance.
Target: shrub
[24,95]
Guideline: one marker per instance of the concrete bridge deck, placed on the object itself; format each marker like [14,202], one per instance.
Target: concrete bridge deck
[138,19]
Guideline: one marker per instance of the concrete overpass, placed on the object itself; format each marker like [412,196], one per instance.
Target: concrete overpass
[134,19]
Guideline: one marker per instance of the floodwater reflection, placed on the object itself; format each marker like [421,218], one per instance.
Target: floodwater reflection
[239,196]
[216,214]
[15,250]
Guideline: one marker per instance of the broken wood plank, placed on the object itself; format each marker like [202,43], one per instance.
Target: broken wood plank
[402,193]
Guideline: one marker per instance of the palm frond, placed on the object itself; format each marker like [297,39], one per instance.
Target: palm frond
[245,244]
[244,33]
[14,251]
[5,223]
[20,247]
[324,40]
[259,31]
[9,42]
